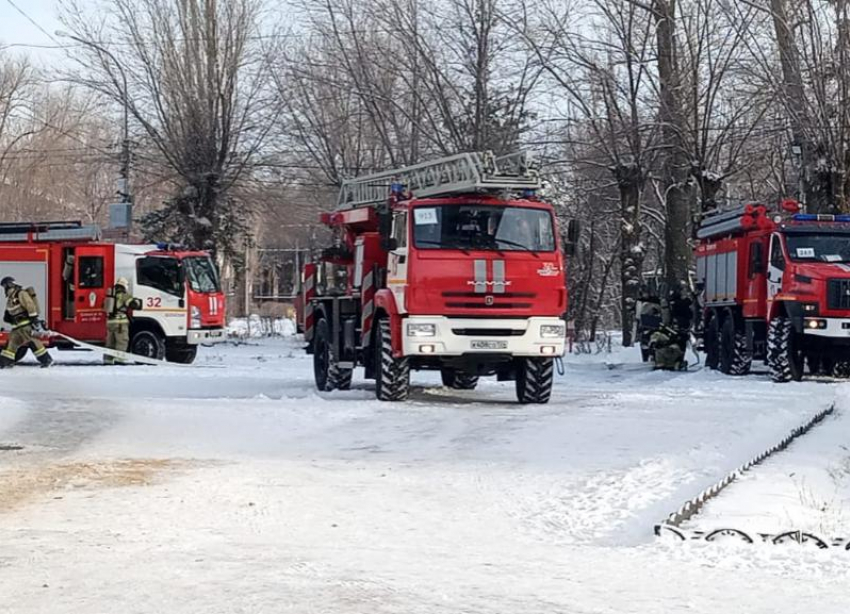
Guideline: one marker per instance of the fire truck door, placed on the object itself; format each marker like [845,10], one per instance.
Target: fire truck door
[775,267]
[397,260]
[89,285]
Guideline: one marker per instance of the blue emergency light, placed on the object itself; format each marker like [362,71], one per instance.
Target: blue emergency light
[816,217]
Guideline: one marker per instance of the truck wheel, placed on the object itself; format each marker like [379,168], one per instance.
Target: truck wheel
[534,379]
[841,369]
[323,372]
[734,357]
[149,344]
[181,354]
[342,377]
[458,380]
[783,357]
[392,381]
[712,343]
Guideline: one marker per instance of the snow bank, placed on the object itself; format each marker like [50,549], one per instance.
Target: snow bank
[255,327]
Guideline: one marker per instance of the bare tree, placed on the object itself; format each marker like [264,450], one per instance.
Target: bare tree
[386,83]
[608,86]
[196,89]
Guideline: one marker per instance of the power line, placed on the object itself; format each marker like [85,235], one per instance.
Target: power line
[32,21]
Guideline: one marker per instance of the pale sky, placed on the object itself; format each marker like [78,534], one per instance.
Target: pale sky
[16,29]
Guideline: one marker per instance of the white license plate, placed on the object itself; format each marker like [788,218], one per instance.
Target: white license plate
[489,345]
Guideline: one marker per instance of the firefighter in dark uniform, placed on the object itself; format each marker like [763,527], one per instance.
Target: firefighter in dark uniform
[119,302]
[22,314]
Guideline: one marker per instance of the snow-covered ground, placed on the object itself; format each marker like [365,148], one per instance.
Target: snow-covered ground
[236,487]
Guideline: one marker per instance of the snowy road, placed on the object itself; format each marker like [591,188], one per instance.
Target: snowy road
[240,489]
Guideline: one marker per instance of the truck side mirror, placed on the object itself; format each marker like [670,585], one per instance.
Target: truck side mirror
[389,244]
[385,229]
[570,239]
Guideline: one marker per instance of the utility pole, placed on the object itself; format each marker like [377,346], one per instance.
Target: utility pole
[124,172]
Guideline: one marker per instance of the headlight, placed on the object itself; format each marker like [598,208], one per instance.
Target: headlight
[421,330]
[196,318]
[551,331]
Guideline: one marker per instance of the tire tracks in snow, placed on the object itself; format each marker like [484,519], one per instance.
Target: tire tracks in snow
[43,446]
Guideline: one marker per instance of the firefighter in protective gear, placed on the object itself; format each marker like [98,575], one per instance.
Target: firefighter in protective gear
[119,302]
[22,314]
[668,346]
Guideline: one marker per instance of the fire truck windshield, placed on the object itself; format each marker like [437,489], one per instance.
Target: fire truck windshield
[202,274]
[819,247]
[483,227]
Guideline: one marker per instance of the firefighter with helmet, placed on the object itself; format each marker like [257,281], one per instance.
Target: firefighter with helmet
[22,314]
[119,302]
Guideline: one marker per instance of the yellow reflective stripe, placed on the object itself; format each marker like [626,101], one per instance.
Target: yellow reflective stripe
[7,354]
[40,352]
[21,325]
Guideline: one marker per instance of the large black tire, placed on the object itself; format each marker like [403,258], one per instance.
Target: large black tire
[734,357]
[458,380]
[534,379]
[784,358]
[326,372]
[149,344]
[182,354]
[392,381]
[841,369]
[323,372]
[712,343]
[343,377]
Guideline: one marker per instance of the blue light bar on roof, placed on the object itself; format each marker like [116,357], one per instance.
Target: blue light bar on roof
[816,217]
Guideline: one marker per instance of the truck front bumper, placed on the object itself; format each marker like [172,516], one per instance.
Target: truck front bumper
[205,336]
[463,336]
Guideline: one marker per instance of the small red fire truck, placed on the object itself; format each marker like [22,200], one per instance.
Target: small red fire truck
[71,270]
[776,288]
[451,265]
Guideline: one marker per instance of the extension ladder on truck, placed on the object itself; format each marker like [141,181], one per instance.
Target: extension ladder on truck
[461,173]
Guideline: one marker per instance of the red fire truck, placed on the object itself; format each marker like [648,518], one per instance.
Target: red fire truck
[71,269]
[776,288]
[451,265]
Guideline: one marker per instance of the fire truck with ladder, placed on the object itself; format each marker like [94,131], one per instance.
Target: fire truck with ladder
[71,269]
[451,265]
[776,288]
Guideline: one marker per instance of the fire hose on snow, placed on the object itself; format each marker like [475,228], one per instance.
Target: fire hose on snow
[123,356]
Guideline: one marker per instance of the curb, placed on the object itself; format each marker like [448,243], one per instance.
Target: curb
[672,524]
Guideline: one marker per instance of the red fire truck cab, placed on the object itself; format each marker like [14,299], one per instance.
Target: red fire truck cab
[778,289]
[71,270]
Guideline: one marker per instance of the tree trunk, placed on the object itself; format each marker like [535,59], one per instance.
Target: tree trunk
[678,193]
[630,182]
[817,179]
[710,185]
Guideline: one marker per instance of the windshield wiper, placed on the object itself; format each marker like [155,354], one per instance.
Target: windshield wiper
[524,248]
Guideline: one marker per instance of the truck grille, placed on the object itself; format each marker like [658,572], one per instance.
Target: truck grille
[488,332]
[483,305]
[838,294]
